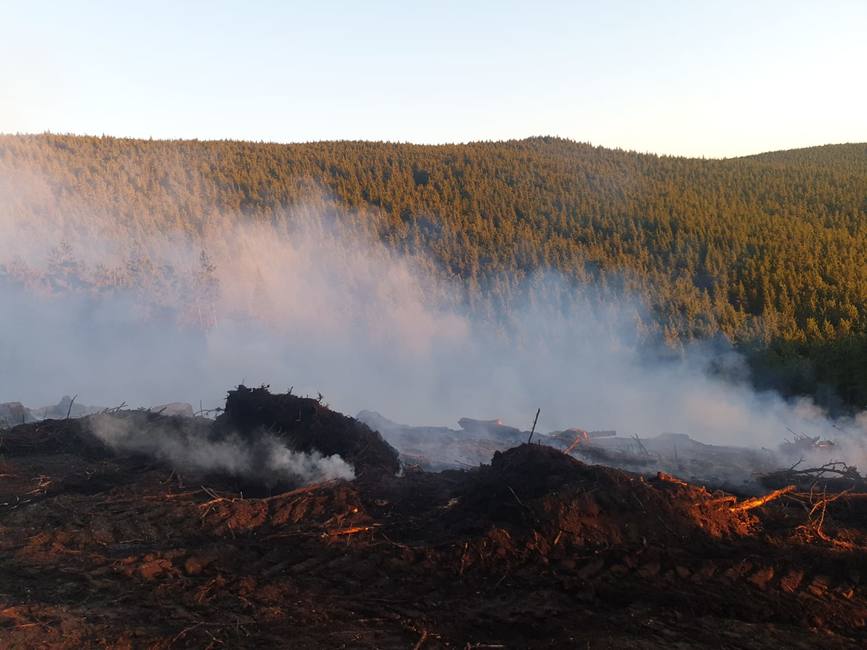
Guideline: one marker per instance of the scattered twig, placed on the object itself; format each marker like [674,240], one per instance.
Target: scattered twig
[520,503]
[464,558]
[114,410]
[203,412]
[180,635]
[424,635]
[816,517]
[834,474]
[354,530]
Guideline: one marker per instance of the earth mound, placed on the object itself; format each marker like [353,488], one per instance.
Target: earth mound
[541,488]
[50,437]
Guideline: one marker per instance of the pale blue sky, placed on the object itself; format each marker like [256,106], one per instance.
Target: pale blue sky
[712,78]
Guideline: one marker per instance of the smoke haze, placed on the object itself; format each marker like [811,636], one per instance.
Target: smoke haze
[313,304]
[261,457]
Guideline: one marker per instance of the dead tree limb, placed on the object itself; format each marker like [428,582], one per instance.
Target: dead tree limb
[533,430]
[71,402]
[757,502]
[424,635]
[835,476]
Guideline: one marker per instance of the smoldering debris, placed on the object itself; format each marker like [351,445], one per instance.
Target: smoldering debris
[12,413]
[173,408]
[739,469]
[258,454]
[551,549]
[278,441]
[833,476]
[435,448]
[257,457]
[309,426]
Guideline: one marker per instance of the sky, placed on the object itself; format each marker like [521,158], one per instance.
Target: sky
[709,78]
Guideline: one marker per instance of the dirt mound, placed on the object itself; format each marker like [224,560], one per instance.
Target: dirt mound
[535,469]
[306,425]
[53,437]
[538,489]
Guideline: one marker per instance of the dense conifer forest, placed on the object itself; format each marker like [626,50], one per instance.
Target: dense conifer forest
[767,251]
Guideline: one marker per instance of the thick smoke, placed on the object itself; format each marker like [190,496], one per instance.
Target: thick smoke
[262,458]
[324,308]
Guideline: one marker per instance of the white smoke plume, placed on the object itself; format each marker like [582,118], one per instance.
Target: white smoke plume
[258,458]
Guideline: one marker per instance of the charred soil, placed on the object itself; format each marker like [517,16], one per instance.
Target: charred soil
[100,549]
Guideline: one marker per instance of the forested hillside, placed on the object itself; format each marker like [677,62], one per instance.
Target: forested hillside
[768,251]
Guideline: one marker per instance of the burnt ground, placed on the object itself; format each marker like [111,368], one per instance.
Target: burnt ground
[536,549]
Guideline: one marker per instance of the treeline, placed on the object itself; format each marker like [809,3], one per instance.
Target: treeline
[767,251]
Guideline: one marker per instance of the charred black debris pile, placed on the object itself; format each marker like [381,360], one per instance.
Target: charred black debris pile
[253,420]
[305,424]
